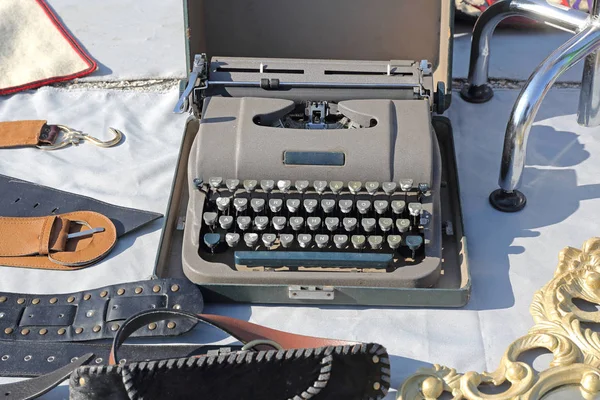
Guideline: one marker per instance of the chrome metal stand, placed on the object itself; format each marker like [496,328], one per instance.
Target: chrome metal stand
[584,44]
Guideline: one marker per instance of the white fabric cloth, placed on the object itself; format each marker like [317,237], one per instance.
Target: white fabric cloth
[511,255]
[31,47]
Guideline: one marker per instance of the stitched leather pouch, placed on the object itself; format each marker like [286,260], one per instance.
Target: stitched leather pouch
[42,242]
[295,367]
[26,133]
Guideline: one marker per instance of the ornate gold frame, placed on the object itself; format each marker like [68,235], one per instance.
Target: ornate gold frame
[558,328]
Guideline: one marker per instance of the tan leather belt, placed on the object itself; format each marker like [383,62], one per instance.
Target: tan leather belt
[66,241]
[27,133]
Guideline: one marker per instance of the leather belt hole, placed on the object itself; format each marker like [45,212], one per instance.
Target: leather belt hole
[8,331]
[62,331]
[43,331]
[121,291]
[156,289]
[97,328]
[98,360]
[89,314]
[5,357]
[174,288]
[27,358]
[78,330]
[103,293]
[54,210]
[35,301]
[25,332]
[50,359]
[61,315]
[74,359]
[70,299]
[17,200]
[115,307]
[87,296]
[122,362]
[171,325]
[53,300]
[20,301]
[3,299]
[35,205]
[138,290]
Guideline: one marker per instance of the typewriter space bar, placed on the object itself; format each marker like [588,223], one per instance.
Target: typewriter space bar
[312,259]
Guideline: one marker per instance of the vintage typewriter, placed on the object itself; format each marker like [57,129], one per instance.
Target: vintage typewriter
[309,174]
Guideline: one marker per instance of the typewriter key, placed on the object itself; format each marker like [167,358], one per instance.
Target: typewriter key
[336,186]
[304,240]
[358,241]
[423,188]
[275,205]
[310,205]
[345,206]
[340,241]
[313,223]
[406,184]
[284,186]
[327,205]
[215,182]
[354,186]
[240,204]
[385,224]
[349,224]
[267,185]
[257,205]
[251,239]
[375,242]
[424,221]
[292,205]
[372,187]
[210,218]
[368,224]
[398,206]
[320,186]
[414,242]
[394,241]
[250,185]
[261,223]
[296,223]
[381,206]
[286,240]
[211,240]
[232,184]
[403,225]
[332,223]
[223,203]
[415,209]
[244,222]
[232,239]
[389,187]
[225,221]
[321,241]
[301,186]
[279,223]
[363,206]
[268,239]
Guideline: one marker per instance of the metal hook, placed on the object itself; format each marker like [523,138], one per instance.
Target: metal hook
[73,137]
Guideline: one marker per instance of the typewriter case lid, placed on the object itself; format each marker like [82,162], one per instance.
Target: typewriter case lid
[381,30]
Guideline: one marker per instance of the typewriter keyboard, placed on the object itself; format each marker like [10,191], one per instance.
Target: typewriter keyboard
[283,223]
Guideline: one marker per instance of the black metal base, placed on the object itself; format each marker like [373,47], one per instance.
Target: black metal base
[505,201]
[476,94]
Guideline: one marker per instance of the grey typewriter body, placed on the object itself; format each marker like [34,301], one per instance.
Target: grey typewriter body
[308,176]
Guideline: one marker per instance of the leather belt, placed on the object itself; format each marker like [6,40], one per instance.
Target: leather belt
[66,241]
[95,314]
[20,198]
[26,133]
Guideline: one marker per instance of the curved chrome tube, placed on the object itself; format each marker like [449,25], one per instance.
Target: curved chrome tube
[563,18]
[528,103]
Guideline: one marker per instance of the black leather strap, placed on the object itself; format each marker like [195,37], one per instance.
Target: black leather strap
[25,199]
[96,314]
[33,388]
[26,359]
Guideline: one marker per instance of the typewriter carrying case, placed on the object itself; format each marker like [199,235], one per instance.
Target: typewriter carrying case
[283,94]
